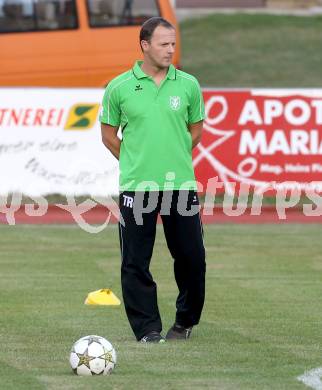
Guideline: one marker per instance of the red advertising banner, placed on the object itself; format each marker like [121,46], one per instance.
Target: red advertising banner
[266,139]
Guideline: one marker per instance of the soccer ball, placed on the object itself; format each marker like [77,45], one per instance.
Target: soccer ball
[92,355]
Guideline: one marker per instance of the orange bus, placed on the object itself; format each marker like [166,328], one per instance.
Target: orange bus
[72,43]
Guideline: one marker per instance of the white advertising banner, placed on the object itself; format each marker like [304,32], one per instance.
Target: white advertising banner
[50,143]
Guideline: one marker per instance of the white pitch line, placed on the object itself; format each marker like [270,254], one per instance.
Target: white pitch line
[312,378]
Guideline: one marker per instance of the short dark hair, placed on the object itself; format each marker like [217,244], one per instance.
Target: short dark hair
[150,25]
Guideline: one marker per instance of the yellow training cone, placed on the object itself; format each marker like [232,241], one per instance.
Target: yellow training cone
[105,296]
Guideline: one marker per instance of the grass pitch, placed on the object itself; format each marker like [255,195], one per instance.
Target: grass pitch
[260,329]
[253,50]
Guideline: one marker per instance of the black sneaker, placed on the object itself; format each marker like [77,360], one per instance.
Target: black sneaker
[152,337]
[178,332]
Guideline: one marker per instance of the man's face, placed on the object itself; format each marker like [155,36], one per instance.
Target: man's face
[161,47]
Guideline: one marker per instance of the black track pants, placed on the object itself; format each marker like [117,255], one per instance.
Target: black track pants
[184,236]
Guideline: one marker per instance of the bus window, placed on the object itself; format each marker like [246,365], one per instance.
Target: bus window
[37,15]
[104,13]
